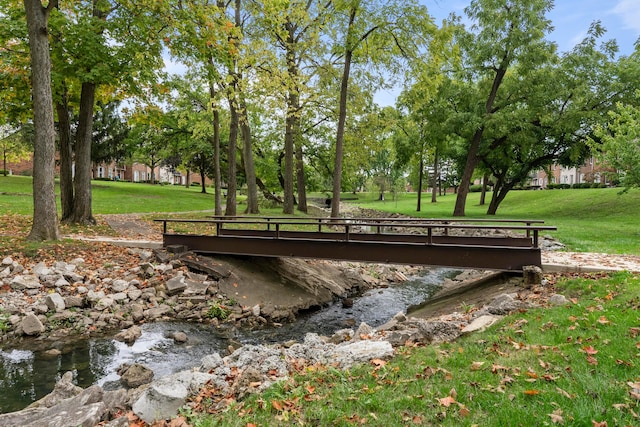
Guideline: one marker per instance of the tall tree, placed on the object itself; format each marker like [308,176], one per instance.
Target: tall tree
[505,33]
[379,34]
[294,28]
[45,213]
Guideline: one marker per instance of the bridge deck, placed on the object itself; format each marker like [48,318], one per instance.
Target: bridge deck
[507,245]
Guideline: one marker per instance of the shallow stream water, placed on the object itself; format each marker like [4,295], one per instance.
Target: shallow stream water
[26,376]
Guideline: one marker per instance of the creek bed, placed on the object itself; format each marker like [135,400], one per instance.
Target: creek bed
[26,376]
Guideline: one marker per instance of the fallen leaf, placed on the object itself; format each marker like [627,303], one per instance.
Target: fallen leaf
[564,393]
[476,366]
[590,350]
[592,360]
[497,368]
[464,411]
[277,405]
[447,401]
[556,416]
[599,424]
[378,363]
[531,392]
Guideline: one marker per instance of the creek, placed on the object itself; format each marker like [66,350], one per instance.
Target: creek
[26,376]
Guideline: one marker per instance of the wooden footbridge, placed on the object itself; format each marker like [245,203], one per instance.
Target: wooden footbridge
[506,245]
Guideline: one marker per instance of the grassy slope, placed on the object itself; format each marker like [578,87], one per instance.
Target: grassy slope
[588,220]
[112,197]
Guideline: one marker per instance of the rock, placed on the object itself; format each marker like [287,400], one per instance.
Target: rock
[532,275]
[165,396]
[255,310]
[176,284]
[134,294]
[438,331]
[66,406]
[31,325]
[400,317]
[40,269]
[346,355]
[5,273]
[52,353]
[557,299]
[205,265]
[7,261]
[503,304]
[73,301]
[130,335]
[480,324]
[342,335]
[93,296]
[119,285]
[180,337]
[135,375]
[64,389]
[22,282]
[137,312]
[211,362]
[157,312]
[364,331]
[147,269]
[61,283]
[55,302]
[103,304]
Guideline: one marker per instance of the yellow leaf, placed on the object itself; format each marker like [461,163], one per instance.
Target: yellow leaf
[531,392]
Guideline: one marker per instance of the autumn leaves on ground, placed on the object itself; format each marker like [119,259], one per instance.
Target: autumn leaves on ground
[570,365]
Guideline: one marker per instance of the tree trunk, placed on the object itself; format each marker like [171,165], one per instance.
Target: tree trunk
[301,181]
[217,176]
[45,213]
[435,181]
[500,191]
[289,136]
[474,149]
[342,117]
[66,157]
[230,209]
[420,178]
[82,180]
[203,186]
[249,167]
[483,193]
[187,180]
[469,167]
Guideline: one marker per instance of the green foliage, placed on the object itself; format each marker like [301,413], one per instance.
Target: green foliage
[620,146]
[4,322]
[219,310]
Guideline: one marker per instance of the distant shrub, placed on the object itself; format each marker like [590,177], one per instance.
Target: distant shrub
[195,184]
[581,185]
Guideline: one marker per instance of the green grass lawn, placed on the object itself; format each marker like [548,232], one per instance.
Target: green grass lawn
[588,220]
[111,197]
